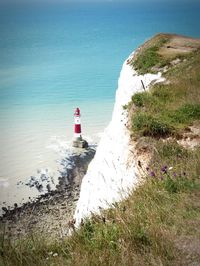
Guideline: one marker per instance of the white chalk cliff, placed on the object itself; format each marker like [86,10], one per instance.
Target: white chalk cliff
[110,176]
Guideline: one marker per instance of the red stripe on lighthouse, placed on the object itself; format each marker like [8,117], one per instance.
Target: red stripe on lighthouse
[77,128]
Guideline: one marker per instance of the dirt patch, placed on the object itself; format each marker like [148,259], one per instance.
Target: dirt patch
[178,45]
[191,137]
[189,246]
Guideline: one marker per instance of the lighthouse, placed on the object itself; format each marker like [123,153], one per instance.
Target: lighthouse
[78,141]
[77,124]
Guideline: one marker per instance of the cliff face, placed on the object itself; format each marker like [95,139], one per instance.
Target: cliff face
[111,174]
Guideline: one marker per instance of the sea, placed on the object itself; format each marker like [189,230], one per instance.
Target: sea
[56,56]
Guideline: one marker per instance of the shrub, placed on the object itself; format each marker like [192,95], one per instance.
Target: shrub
[138,99]
[148,125]
[162,92]
[190,111]
[171,185]
[186,113]
[147,60]
[149,57]
[158,128]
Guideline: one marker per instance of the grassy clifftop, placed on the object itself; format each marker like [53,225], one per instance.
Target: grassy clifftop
[169,108]
[159,224]
[162,50]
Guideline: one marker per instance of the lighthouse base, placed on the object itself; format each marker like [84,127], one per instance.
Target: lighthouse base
[80,143]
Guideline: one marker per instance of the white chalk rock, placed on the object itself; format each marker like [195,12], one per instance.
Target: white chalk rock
[109,176]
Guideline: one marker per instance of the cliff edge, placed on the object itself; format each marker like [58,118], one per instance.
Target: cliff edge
[115,171]
[111,174]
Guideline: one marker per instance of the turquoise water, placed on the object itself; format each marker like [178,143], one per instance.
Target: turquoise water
[56,57]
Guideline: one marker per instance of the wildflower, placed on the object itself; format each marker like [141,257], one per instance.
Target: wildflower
[152,174]
[174,174]
[170,168]
[55,254]
[164,169]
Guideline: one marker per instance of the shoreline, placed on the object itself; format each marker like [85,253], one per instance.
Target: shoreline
[50,213]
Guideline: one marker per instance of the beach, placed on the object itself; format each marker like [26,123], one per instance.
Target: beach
[52,212]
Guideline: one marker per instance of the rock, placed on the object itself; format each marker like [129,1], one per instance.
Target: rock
[48,187]
[175,61]
[4,209]
[39,186]
[43,177]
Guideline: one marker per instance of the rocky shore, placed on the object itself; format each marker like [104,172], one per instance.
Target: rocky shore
[51,212]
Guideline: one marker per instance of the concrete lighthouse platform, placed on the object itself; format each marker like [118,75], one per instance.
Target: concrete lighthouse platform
[80,143]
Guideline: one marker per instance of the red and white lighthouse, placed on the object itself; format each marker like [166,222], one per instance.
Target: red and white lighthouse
[78,142]
[77,124]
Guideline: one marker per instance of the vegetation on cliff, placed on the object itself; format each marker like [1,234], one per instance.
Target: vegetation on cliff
[159,223]
[170,107]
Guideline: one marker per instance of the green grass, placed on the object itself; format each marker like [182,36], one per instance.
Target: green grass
[141,230]
[186,113]
[149,57]
[150,126]
[147,60]
[168,109]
